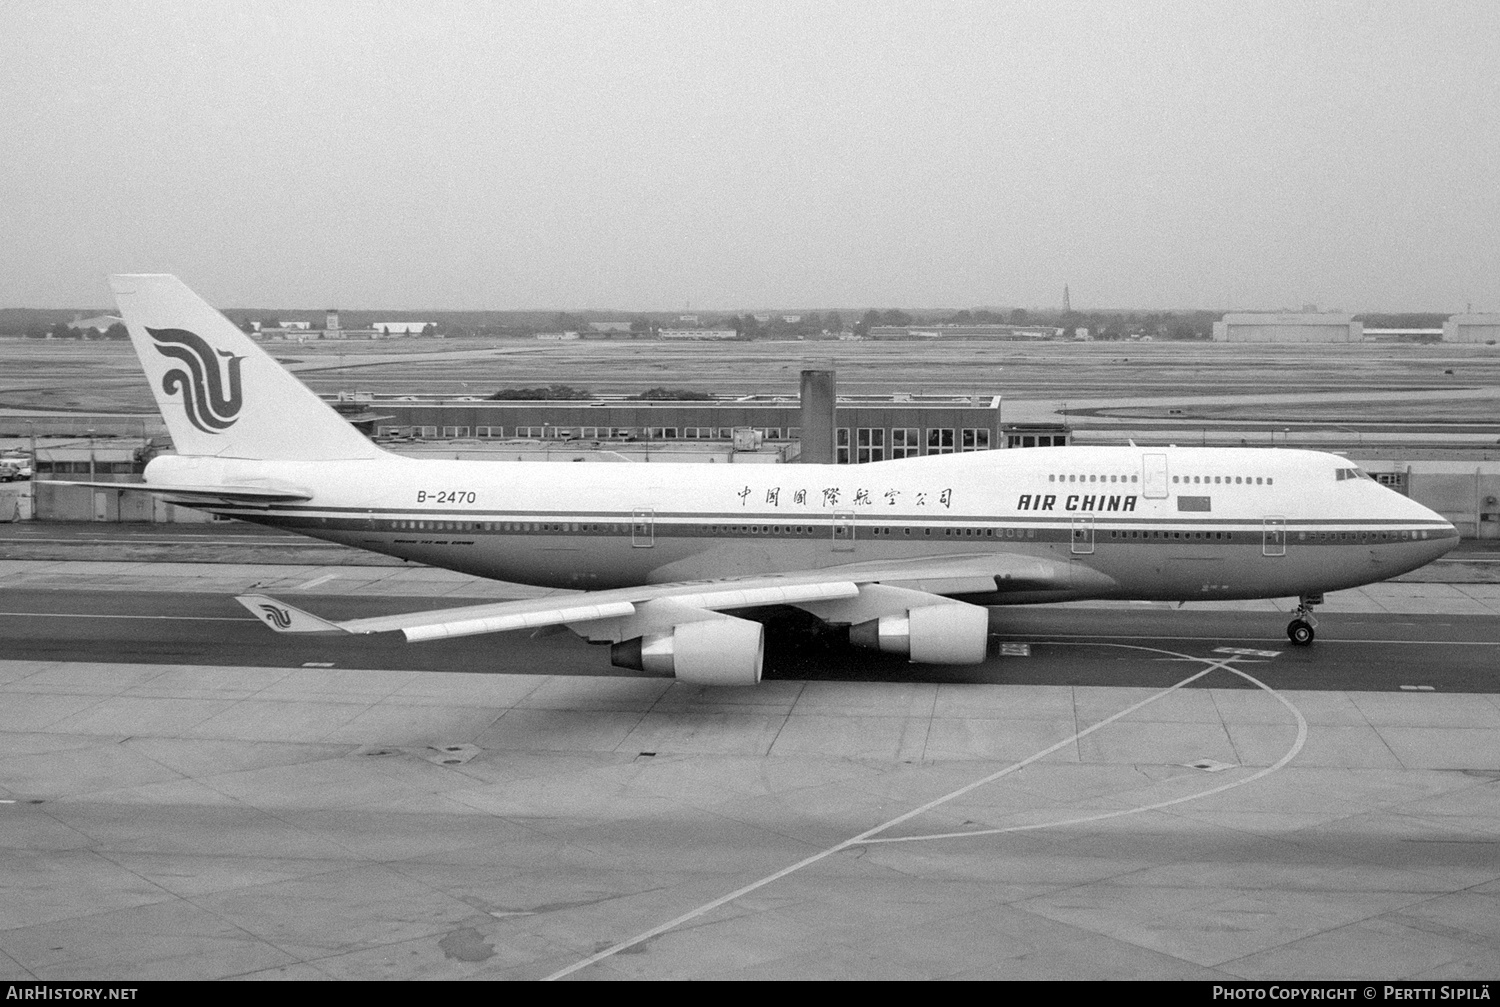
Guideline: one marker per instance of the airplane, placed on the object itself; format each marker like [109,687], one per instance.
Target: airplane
[663,562]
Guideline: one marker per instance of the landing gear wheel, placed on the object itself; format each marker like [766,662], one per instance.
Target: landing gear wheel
[1300,632]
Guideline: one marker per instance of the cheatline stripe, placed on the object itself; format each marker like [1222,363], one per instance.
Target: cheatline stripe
[1061,520]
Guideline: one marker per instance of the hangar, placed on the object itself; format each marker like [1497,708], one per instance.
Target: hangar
[1474,328]
[1288,327]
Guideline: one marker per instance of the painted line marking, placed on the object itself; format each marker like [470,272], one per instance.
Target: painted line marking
[1417,688]
[867,838]
[315,582]
[1068,637]
[318,664]
[1247,652]
[1015,650]
[1291,754]
[90,615]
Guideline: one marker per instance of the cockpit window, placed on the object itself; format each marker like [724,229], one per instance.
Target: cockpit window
[1343,474]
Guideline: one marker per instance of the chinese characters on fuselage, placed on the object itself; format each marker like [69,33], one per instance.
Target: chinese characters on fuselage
[862,497]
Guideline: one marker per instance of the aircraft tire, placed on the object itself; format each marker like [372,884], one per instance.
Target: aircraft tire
[1300,632]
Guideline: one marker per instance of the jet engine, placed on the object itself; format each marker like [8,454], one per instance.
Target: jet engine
[724,651]
[954,633]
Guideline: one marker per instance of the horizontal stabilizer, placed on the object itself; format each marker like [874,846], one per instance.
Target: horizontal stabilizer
[205,494]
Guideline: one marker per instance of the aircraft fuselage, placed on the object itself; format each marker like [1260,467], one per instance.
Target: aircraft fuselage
[1100,522]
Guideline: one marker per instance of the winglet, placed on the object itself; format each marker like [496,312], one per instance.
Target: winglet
[283,618]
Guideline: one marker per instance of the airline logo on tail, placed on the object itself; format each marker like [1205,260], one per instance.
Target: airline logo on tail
[202,383]
[278,617]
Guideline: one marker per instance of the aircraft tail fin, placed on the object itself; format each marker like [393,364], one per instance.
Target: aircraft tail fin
[219,392]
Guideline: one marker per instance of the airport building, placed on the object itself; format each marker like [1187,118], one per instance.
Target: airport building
[1280,327]
[965,332]
[1334,327]
[865,428]
[1472,328]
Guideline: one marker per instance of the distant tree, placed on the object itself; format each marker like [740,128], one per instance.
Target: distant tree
[550,393]
[116,331]
[749,327]
[662,394]
[36,332]
[640,325]
[61,330]
[1019,316]
[868,319]
[565,322]
[429,329]
[895,316]
[833,321]
[964,317]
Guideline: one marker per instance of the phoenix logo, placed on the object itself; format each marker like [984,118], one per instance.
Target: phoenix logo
[203,382]
[278,617]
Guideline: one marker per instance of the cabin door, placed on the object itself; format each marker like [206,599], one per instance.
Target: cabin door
[1083,534]
[1273,537]
[843,531]
[1154,476]
[642,528]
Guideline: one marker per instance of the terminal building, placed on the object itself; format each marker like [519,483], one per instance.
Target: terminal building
[865,428]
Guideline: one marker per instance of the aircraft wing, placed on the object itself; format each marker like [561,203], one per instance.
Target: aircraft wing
[849,593]
[200,493]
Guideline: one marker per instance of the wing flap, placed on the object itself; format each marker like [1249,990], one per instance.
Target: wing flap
[519,620]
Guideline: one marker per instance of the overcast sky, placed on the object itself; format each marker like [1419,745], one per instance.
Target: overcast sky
[650,155]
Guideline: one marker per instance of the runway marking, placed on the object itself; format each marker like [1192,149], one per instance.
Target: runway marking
[1247,652]
[866,838]
[1417,688]
[1065,637]
[89,615]
[317,664]
[315,582]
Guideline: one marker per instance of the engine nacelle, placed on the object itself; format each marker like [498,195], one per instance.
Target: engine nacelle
[955,633]
[725,651]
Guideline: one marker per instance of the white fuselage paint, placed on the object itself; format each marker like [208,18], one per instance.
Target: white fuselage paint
[1105,522]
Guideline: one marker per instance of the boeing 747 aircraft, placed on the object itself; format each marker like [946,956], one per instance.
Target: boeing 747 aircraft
[909,554]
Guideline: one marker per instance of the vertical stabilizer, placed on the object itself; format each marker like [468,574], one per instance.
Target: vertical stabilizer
[219,392]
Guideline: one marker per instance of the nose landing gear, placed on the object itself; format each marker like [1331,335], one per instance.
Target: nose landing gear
[1301,629]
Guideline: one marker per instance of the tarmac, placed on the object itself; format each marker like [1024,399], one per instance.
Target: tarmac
[179,820]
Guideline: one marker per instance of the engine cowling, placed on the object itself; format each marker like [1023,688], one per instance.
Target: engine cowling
[955,633]
[725,651]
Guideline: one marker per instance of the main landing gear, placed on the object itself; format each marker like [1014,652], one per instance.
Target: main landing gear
[1301,629]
